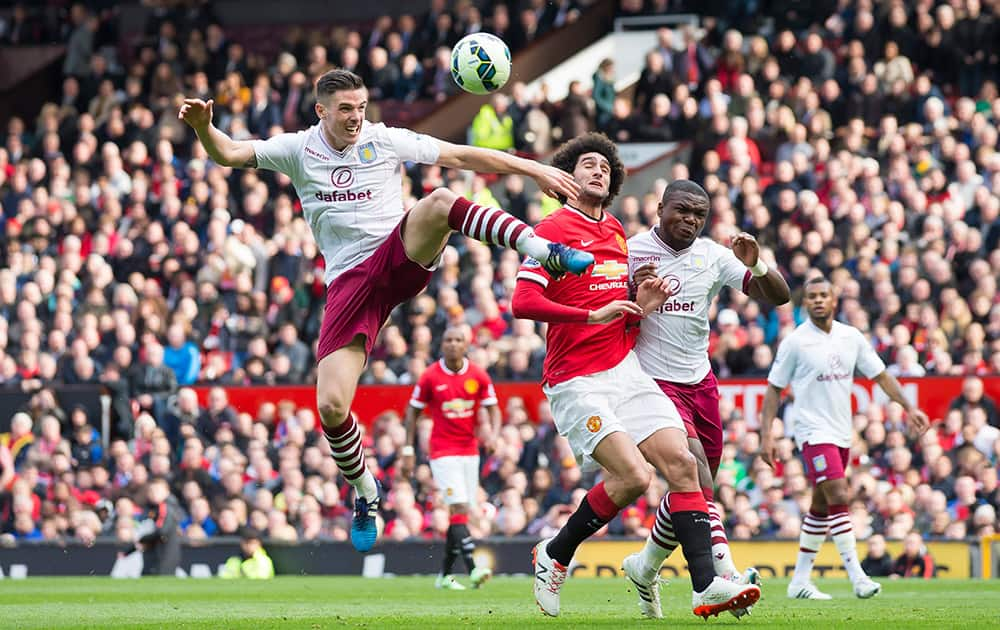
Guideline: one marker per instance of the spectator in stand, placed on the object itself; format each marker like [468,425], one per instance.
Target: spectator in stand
[181,355]
[655,79]
[603,92]
[877,563]
[493,127]
[915,561]
[973,397]
[217,414]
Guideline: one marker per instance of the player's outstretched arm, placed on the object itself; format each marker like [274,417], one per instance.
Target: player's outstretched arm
[553,181]
[770,409]
[220,147]
[530,302]
[917,418]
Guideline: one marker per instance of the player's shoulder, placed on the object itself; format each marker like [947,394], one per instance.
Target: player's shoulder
[557,221]
[840,329]
[478,372]
[433,371]
[716,251]
[800,332]
[373,130]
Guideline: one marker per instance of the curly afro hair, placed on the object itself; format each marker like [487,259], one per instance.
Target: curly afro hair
[566,157]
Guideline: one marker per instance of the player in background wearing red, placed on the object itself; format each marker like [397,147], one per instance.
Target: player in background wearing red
[673,348]
[602,401]
[347,174]
[452,391]
[819,360]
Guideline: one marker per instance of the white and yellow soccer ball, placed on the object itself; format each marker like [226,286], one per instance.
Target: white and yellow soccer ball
[480,63]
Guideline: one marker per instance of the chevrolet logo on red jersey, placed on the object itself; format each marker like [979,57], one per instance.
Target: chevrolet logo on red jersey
[457,408]
[610,270]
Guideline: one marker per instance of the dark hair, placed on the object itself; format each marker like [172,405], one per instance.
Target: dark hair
[818,279]
[684,193]
[566,157]
[336,80]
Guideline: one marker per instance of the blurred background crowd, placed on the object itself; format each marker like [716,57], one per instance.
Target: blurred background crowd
[852,137]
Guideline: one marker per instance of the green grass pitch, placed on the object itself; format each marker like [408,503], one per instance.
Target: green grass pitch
[412,602]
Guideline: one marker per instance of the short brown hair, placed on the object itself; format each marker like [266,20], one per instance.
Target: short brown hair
[336,80]
[685,193]
[568,155]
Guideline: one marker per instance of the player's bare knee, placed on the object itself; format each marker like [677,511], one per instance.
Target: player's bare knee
[333,409]
[458,508]
[636,480]
[683,467]
[441,200]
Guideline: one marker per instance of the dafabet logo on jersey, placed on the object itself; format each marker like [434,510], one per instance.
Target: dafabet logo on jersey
[343,177]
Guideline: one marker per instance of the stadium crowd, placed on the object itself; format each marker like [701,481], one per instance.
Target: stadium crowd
[858,140]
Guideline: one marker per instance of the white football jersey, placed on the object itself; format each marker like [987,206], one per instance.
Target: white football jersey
[673,341]
[820,368]
[352,198]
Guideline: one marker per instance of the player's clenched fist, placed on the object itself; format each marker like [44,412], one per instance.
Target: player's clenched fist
[612,311]
[196,112]
[643,273]
[745,248]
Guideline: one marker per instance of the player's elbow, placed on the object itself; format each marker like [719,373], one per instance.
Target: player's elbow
[783,295]
[517,308]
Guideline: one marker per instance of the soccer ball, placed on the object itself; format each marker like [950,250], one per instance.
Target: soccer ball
[480,63]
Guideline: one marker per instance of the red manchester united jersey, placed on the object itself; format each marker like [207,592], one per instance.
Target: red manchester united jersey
[452,399]
[581,349]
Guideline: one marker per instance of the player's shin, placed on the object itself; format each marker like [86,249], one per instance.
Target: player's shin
[349,453]
[496,227]
[690,517]
[595,511]
[452,549]
[722,557]
[464,544]
[842,533]
[661,541]
[813,533]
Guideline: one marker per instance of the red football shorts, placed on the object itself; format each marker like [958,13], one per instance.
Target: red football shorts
[698,405]
[359,300]
[825,461]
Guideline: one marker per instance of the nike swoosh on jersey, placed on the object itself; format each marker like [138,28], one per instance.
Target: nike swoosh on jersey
[587,243]
[441,388]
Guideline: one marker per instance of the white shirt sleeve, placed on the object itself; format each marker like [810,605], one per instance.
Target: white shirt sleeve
[732,272]
[868,363]
[282,153]
[413,147]
[783,367]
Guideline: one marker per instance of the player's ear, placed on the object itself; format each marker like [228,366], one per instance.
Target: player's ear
[659,209]
[320,110]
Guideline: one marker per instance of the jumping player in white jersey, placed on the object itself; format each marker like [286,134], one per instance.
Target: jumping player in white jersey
[673,348]
[346,172]
[819,359]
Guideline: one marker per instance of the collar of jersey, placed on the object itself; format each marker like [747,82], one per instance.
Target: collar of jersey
[319,132]
[670,250]
[465,367]
[833,325]
[585,215]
